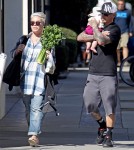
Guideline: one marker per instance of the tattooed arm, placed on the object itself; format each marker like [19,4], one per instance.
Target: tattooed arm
[101,38]
[83,37]
[98,36]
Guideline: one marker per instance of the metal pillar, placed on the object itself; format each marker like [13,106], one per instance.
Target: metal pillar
[42,5]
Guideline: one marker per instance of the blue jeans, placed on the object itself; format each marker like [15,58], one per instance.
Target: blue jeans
[34,114]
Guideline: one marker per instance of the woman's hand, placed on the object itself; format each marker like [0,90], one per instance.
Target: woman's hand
[19,49]
[47,54]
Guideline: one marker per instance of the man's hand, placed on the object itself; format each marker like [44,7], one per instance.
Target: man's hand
[83,37]
[105,33]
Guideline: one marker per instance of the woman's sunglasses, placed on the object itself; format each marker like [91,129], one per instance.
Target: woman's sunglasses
[35,23]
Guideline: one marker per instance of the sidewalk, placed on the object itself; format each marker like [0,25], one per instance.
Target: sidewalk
[73,129]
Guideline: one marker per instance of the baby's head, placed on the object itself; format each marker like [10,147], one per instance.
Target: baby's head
[97,18]
[95,14]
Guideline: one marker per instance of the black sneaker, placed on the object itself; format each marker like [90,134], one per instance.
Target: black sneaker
[108,141]
[101,136]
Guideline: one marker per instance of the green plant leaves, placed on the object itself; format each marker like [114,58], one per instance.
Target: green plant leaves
[51,36]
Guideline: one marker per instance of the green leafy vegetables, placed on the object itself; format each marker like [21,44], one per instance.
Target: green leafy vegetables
[51,37]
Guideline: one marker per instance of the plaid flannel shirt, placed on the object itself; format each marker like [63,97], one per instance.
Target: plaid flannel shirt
[32,82]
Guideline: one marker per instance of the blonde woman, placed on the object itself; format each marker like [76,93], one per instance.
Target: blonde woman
[32,82]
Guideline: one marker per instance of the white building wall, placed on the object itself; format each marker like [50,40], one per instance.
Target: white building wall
[0,29]
[12,23]
[15,24]
[2,89]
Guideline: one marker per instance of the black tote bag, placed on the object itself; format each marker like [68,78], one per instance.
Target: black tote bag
[12,73]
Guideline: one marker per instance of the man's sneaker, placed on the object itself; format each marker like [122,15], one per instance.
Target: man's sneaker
[101,136]
[108,141]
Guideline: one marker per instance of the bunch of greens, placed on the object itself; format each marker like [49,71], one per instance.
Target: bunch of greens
[51,36]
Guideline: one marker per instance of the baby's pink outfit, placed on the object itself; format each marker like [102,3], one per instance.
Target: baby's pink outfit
[89,30]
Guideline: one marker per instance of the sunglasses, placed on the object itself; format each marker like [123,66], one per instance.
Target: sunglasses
[106,14]
[35,23]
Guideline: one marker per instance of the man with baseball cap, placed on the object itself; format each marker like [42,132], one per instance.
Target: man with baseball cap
[101,85]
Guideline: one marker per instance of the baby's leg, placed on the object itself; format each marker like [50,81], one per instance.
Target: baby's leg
[93,46]
[88,45]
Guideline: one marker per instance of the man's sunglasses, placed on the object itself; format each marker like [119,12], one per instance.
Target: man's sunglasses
[105,14]
[35,23]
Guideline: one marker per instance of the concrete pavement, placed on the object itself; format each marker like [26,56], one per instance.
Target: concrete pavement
[73,129]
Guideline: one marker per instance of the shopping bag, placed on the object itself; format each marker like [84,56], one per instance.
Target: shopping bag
[50,65]
[3,58]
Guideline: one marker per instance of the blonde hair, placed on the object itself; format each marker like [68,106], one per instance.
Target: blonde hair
[41,15]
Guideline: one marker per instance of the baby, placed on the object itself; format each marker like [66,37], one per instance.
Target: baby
[97,15]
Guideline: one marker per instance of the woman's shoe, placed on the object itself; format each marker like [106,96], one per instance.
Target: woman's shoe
[33,141]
